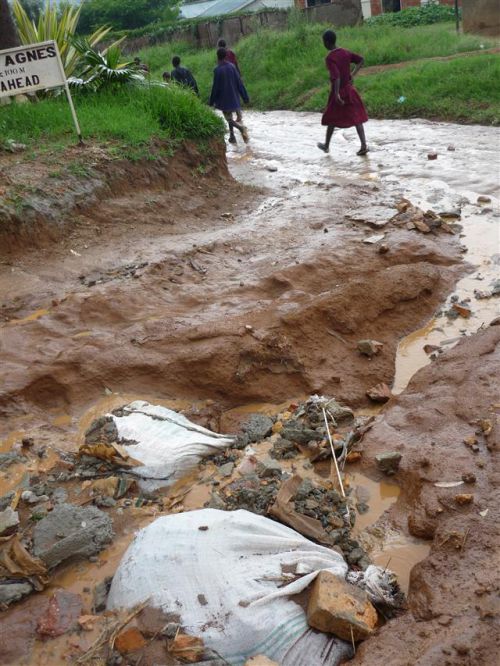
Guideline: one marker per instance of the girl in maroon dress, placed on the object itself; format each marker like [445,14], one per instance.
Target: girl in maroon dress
[345,108]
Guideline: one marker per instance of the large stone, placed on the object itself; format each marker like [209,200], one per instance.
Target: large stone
[339,608]
[11,592]
[9,520]
[388,462]
[380,393]
[71,531]
[369,347]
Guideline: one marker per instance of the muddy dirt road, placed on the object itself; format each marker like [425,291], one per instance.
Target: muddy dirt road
[217,295]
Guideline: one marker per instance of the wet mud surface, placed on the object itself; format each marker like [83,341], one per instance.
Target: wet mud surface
[225,297]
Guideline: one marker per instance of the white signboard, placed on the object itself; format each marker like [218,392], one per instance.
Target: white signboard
[25,69]
[29,68]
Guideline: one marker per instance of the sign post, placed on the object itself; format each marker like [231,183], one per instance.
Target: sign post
[26,69]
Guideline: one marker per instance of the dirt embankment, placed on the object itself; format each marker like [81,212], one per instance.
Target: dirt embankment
[43,197]
[453,596]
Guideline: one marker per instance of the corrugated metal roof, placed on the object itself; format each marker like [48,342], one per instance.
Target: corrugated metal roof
[191,10]
[222,7]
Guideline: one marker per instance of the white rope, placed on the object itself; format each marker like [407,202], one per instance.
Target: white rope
[335,461]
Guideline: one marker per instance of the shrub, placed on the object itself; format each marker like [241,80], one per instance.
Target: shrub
[431,12]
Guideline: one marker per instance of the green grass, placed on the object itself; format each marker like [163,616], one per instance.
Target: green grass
[286,70]
[128,117]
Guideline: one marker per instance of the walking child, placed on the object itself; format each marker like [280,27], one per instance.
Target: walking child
[227,91]
[230,55]
[345,107]
[183,76]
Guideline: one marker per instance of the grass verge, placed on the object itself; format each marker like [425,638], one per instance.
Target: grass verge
[286,70]
[128,117]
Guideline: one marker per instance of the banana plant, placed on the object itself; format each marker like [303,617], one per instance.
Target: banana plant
[99,70]
[59,25]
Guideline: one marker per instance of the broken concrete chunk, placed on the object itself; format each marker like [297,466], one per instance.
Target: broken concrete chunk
[9,520]
[269,468]
[388,462]
[379,393]
[338,411]
[374,216]
[339,608]
[369,347]
[226,469]
[257,427]
[71,531]
[12,592]
[100,595]
[102,429]
[370,240]
[6,500]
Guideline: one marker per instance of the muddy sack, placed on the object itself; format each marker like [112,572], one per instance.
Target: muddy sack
[229,577]
[166,443]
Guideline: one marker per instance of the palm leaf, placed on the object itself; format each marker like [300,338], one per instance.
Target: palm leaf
[61,28]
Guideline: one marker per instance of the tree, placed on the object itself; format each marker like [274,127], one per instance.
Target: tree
[126,14]
[8,33]
[33,8]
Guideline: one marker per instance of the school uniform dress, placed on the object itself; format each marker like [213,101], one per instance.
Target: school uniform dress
[231,57]
[227,88]
[352,112]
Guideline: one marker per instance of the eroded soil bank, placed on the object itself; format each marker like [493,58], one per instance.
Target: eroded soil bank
[220,293]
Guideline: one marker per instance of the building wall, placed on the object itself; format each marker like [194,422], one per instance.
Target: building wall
[376,6]
[206,34]
[481,16]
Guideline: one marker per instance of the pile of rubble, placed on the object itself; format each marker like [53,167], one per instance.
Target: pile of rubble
[267,468]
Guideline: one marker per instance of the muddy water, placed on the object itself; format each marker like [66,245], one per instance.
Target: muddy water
[283,150]
[398,164]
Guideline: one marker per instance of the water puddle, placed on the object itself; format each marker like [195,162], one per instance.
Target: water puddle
[399,166]
[379,495]
[482,238]
[400,553]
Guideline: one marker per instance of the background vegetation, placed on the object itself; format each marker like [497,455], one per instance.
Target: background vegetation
[127,14]
[286,70]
